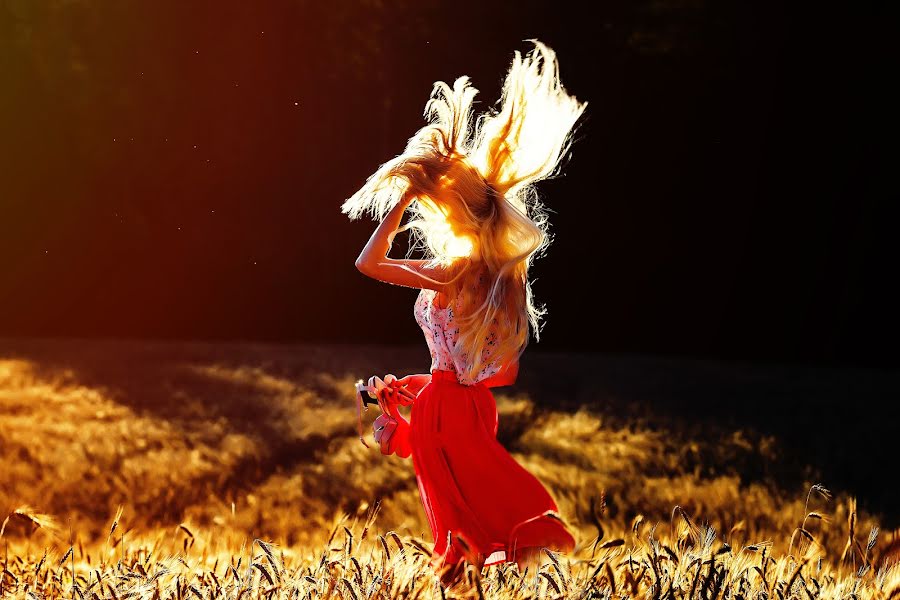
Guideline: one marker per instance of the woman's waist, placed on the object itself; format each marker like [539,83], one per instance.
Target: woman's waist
[449,376]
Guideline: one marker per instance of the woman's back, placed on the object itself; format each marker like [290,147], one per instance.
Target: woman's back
[441,334]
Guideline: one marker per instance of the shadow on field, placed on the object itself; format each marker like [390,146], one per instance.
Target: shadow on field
[831,425]
[183,430]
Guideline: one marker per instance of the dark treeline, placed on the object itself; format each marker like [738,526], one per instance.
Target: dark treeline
[175,170]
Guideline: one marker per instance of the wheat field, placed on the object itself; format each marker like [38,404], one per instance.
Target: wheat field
[233,470]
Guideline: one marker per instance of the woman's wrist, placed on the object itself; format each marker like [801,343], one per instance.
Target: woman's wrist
[423,379]
[416,382]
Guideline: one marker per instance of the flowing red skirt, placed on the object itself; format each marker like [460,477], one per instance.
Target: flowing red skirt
[482,505]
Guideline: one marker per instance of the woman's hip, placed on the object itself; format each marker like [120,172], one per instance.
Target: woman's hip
[445,407]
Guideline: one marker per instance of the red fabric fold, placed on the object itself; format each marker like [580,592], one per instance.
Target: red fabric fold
[478,500]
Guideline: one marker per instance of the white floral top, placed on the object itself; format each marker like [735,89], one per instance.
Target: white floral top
[441,336]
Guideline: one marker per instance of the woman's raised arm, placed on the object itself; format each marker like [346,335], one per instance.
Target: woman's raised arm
[379,243]
[374,262]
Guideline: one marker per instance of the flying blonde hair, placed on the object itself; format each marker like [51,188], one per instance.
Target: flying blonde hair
[476,209]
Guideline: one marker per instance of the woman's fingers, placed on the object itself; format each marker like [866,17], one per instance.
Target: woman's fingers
[390,386]
[376,384]
[391,390]
[407,384]
[400,385]
[390,380]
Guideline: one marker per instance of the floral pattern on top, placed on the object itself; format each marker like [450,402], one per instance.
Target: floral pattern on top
[441,334]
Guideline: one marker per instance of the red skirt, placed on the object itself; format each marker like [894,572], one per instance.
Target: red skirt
[481,504]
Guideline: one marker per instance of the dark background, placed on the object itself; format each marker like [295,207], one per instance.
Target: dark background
[175,170]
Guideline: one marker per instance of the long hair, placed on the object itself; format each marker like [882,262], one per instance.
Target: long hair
[476,210]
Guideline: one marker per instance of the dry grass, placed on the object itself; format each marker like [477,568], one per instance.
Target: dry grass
[143,470]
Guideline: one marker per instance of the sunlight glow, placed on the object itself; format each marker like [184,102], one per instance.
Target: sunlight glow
[446,243]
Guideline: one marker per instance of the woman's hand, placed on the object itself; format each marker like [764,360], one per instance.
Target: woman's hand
[390,428]
[391,390]
[415,383]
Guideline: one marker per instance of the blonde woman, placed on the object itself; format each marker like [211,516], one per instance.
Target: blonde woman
[469,186]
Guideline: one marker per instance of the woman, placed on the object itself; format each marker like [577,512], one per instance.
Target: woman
[478,219]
